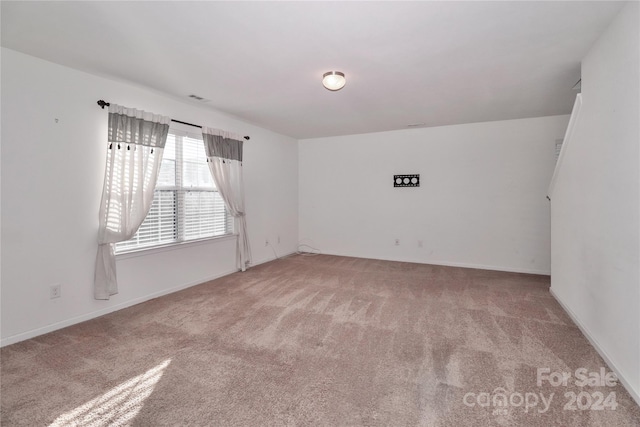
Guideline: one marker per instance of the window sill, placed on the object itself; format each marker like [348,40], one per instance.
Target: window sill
[172,246]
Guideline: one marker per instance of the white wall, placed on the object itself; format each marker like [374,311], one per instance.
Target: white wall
[595,203]
[481,202]
[52,175]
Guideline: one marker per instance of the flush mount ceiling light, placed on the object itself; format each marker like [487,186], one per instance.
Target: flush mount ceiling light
[333,80]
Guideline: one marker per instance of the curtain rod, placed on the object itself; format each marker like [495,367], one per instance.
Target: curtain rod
[102,103]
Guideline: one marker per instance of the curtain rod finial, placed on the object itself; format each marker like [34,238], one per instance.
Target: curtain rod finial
[102,103]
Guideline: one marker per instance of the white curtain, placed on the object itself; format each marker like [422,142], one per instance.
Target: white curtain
[135,145]
[224,157]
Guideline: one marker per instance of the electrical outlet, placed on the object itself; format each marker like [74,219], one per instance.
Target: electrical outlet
[55,291]
[266,241]
[278,239]
[397,242]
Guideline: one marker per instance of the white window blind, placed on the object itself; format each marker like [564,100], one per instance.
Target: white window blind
[186,205]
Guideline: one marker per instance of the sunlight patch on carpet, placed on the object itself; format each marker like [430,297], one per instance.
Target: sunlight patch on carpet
[116,407]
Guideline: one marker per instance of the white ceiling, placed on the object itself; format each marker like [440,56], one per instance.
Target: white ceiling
[429,63]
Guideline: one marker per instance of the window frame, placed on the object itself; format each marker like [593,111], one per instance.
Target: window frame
[179,190]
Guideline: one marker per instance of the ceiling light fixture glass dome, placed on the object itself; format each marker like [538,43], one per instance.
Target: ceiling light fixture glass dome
[333,80]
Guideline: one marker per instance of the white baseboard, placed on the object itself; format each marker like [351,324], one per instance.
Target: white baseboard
[494,268]
[452,264]
[585,331]
[88,316]
[92,315]
[269,259]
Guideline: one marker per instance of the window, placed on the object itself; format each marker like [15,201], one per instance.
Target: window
[186,205]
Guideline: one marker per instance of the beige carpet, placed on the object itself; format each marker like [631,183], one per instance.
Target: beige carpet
[321,340]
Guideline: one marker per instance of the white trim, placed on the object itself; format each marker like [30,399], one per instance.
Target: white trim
[490,267]
[575,115]
[452,264]
[585,331]
[78,319]
[266,260]
[92,315]
[172,246]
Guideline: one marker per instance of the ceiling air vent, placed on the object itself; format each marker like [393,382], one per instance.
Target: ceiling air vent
[198,98]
